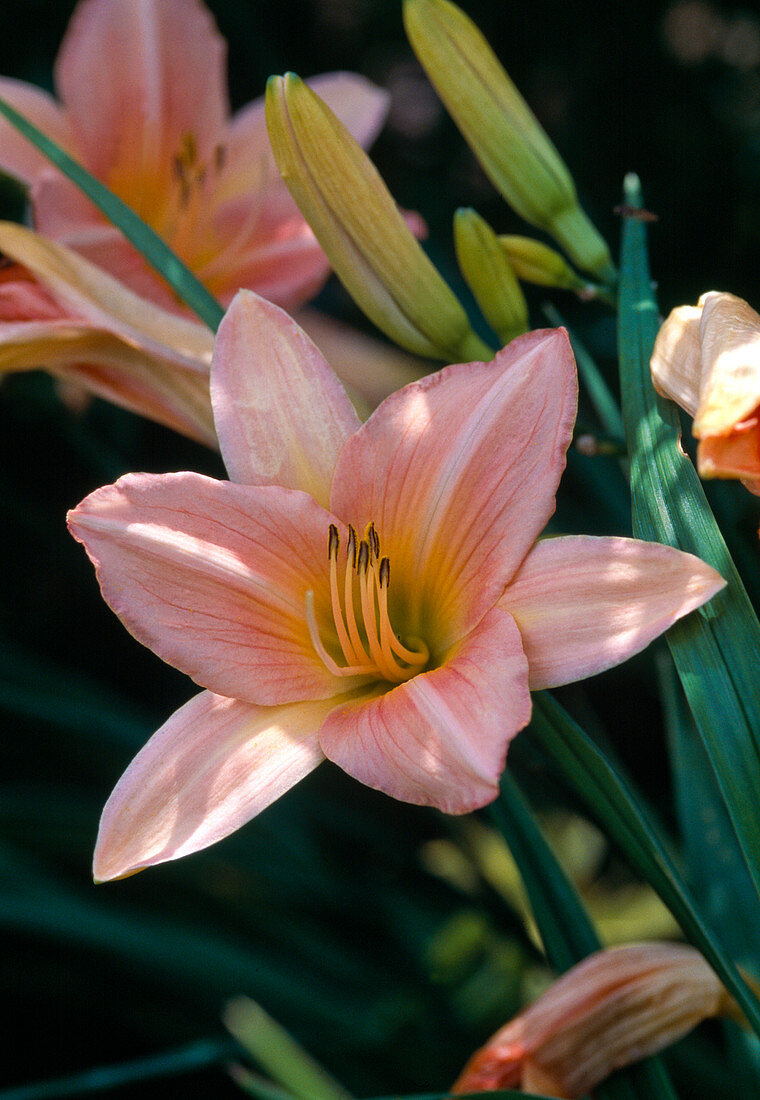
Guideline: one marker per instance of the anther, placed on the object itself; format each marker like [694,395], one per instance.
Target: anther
[374,542]
[351,546]
[384,574]
[362,563]
[333,542]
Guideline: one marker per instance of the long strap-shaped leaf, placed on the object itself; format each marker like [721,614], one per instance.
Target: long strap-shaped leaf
[624,819]
[158,254]
[717,649]
[566,929]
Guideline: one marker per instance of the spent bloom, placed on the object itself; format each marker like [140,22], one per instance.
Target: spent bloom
[617,1006]
[157,131]
[369,593]
[707,359]
[61,312]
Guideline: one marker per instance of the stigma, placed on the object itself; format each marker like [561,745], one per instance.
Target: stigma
[359,599]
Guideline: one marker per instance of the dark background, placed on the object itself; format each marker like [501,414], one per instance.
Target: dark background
[325,909]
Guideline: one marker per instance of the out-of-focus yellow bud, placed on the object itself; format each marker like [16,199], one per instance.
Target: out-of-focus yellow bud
[534,262]
[502,131]
[361,229]
[615,1007]
[489,275]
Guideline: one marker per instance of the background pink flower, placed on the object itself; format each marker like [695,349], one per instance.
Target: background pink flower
[143,106]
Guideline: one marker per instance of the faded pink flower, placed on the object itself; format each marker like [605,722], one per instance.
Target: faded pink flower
[616,1007]
[707,359]
[143,106]
[371,593]
[62,313]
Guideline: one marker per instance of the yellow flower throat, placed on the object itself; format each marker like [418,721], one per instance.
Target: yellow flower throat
[365,636]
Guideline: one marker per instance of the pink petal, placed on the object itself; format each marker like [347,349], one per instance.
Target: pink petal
[281,414]
[458,472]
[18,157]
[111,368]
[734,455]
[64,214]
[287,269]
[159,70]
[213,578]
[585,604]
[441,738]
[88,295]
[212,766]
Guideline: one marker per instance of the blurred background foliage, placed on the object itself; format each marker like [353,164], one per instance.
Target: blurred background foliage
[377,933]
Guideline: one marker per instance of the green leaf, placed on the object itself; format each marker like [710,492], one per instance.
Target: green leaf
[716,869]
[99,1079]
[158,254]
[716,648]
[566,929]
[600,394]
[626,821]
[279,1053]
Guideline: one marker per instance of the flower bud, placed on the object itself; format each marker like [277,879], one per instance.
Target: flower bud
[489,275]
[361,229]
[502,131]
[534,262]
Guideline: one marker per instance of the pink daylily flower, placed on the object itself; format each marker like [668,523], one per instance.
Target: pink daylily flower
[158,132]
[370,593]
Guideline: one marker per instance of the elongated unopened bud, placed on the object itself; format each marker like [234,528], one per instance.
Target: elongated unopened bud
[359,226]
[490,277]
[502,131]
[615,1007]
[534,262]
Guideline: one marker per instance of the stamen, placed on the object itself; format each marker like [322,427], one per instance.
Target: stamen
[380,653]
[362,564]
[316,641]
[369,645]
[351,546]
[373,541]
[388,637]
[356,648]
[333,545]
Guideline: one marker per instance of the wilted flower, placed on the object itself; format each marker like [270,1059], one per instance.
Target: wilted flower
[373,594]
[143,106]
[60,312]
[707,359]
[616,1007]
